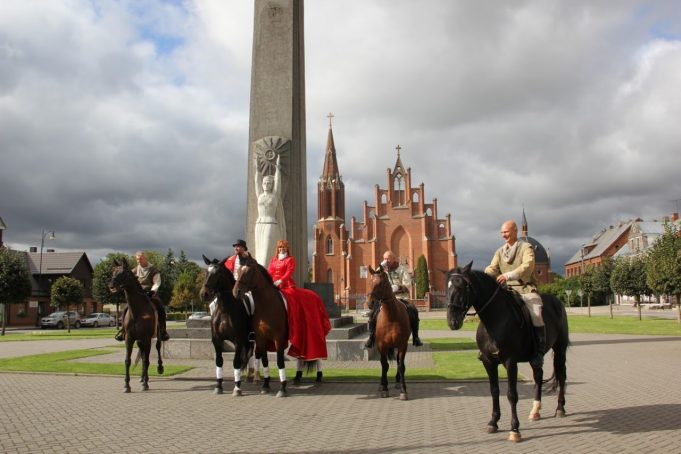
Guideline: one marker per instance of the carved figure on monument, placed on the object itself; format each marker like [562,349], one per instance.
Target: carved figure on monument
[270,185]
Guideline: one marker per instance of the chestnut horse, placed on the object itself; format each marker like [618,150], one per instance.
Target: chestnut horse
[229,321]
[392,330]
[140,323]
[505,337]
[270,320]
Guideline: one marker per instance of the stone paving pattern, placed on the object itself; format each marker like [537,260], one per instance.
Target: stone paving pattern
[623,397]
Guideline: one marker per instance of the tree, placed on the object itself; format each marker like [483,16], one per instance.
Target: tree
[629,278]
[421,278]
[663,267]
[15,281]
[187,288]
[66,291]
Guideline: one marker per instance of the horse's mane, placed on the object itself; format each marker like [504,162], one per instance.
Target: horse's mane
[230,277]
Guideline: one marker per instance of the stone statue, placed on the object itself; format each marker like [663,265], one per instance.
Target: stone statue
[270,226]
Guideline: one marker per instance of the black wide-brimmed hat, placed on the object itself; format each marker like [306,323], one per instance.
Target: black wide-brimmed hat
[240,243]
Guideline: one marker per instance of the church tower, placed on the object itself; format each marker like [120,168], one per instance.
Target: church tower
[328,261]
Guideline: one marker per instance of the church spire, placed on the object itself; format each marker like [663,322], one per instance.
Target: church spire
[330,171]
[524,225]
[330,188]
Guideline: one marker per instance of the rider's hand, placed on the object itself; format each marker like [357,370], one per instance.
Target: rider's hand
[395,288]
[501,279]
[277,283]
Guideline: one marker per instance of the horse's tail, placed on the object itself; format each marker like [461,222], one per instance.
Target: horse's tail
[390,354]
[310,366]
[137,358]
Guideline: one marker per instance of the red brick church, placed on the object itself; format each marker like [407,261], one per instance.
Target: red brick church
[399,220]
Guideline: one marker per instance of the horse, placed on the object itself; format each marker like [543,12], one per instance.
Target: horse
[392,330]
[269,321]
[140,322]
[505,337]
[229,321]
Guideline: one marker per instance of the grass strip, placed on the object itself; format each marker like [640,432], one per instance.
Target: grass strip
[62,362]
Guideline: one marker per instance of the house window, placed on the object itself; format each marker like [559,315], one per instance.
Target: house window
[329,245]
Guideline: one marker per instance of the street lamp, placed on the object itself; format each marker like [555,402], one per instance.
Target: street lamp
[49,234]
[582,253]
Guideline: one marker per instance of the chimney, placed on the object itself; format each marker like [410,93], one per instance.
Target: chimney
[675,217]
[33,249]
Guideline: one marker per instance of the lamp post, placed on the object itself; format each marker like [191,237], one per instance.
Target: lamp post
[49,234]
[582,254]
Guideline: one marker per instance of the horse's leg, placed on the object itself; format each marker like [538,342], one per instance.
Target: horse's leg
[146,351]
[281,365]
[398,376]
[159,367]
[401,369]
[219,372]
[538,376]
[512,371]
[560,371]
[265,389]
[236,363]
[250,375]
[383,388]
[128,354]
[297,380]
[493,377]
[318,380]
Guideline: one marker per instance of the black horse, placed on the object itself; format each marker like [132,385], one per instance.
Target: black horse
[505,337]
[230,321]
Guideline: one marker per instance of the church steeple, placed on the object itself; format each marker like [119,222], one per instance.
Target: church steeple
[524,225]
[330,188]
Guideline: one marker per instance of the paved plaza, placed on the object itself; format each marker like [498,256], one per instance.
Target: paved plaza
[623,397]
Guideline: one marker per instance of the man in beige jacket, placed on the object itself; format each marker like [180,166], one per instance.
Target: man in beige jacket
[513,265]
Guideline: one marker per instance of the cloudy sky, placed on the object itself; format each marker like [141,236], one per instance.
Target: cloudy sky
[124,124]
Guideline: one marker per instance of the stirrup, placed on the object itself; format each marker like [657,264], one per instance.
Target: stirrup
[251,336]
[120,336]
[369,343]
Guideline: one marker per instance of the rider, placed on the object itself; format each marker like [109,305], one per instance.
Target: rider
[233,263]
[513,265]
[149,278]
[400,281]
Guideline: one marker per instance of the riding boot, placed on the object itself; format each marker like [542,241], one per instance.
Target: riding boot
[539,347]
[372,326]
[120,335]
[298,378]
[161,311]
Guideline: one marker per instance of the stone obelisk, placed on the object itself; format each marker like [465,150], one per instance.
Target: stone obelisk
[277,130]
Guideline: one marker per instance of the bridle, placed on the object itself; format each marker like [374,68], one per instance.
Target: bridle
[469,289]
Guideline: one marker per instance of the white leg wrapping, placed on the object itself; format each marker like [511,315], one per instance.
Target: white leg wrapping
[319,365]
[266,372]
[218,372]
[237,375]
[282,374]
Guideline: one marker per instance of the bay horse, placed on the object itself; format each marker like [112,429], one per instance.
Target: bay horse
[270,320]
[505,336]
[392,330]
[140,322]
[229,321]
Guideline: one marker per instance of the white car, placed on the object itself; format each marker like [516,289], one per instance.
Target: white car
[98,319]
[200,316]
[58,320]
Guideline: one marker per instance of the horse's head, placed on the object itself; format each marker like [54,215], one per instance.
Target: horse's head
[246,278]
[380,285]
[218,277]
[121,276]
[458,295]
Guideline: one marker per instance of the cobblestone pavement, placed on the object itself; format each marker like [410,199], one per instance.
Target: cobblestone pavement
[623,397]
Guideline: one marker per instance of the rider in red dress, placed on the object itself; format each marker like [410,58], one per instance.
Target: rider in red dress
[308,321]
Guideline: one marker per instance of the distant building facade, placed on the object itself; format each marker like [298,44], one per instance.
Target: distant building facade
[399,220]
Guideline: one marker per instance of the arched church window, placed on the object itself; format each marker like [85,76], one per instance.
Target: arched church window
[329,245]
[329,276]
[415,197]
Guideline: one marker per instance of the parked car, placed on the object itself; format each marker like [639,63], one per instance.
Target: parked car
[98,319]
[58,320]
[199,316]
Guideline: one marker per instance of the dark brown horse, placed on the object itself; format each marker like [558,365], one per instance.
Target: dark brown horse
[229,321]
[270,320]
[140,323]
[505,337]
[392,330]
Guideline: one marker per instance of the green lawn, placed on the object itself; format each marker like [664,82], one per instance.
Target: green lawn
[62,362]
[59,334]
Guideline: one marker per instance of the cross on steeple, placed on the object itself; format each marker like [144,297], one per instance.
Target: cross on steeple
[398,148]
[330,116]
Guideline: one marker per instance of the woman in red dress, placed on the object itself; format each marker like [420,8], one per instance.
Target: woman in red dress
[308,322]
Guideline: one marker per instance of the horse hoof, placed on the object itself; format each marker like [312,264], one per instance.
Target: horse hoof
[560,413]
[384,394]
[282,393]
[403,396]
[160,370]
[145,388]
[218,391]
[127,390]
[534,416]
[237,392]
[492,429]
[514,437]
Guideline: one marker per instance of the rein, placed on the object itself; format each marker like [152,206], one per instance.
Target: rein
[470,287]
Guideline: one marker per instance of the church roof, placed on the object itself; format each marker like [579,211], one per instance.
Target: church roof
[540,254]
[330,170]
